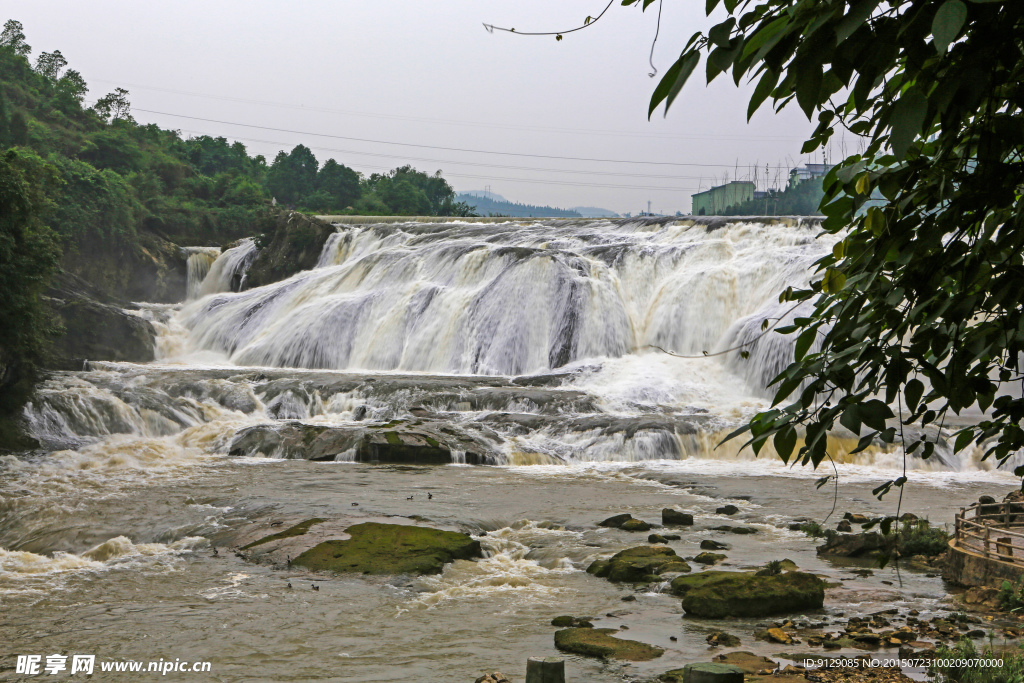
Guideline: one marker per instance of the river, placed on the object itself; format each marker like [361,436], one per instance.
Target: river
[536,349]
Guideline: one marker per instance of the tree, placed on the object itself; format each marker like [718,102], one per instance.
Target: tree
[114,106]
[13,37]
[918,312]
[28,257]
[70,92]
[50,64]
[292,176]
[339,182]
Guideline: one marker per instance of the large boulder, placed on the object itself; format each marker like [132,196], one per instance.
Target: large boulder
[597,642]
[670,517]
[866,544]
[95,329]
[719,594]
[642,564]
[293,244]
[375,548]
[704,672]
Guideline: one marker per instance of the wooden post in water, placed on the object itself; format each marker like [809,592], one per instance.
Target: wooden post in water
[545,670]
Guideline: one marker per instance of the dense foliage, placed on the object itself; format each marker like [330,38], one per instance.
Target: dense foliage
[28,257]
[918,312]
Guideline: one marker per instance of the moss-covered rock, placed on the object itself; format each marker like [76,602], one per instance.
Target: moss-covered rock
[642,564]
[298,530]
[390,549]
[598,642]
[635,525]
[616,521]
[572,622]
[709,558]
[718,594]
[723,639]
[704,672]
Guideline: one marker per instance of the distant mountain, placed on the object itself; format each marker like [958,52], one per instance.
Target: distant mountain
[595,212]
[489,206]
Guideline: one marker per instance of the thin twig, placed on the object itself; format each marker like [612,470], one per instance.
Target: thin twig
[654,42]
[719,353]
[835,496]
[491,28]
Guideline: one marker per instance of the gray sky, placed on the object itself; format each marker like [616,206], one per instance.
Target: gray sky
[427,73]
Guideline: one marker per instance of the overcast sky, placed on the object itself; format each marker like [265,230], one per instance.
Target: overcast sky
[427,73]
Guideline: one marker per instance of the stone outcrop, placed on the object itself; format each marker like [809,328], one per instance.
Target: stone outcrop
[374,548]
[406,443]
[670,517]
[719,594]
[95,330]
[642,564]
[292,245]
[146,268]
[598,642]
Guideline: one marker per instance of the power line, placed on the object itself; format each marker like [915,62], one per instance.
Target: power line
[474,163]
[502,178]
[454,122]
[447,149]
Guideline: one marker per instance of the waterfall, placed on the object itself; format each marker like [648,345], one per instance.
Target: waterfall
[227,274]
[198,265]
[515,298]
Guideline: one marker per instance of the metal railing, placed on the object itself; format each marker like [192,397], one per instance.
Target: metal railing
[987,530]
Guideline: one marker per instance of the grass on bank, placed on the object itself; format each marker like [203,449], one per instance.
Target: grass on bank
[1010,671]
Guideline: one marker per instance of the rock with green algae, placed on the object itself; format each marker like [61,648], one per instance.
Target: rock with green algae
[598,642]
[376,548]
[635,525]
[709,558]
[640,564]
[719,594]
[298,530]
[704,672]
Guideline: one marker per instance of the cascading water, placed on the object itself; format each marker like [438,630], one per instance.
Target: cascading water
[227,273]
[534,342]
[511,299]
[198,264]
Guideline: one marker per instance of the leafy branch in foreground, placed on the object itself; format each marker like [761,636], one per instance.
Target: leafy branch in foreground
[917,312]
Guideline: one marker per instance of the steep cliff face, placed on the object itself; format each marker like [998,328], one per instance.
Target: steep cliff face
[149,268]
[292,244]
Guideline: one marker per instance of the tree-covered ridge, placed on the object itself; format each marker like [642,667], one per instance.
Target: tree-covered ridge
[488,206]
[120,176]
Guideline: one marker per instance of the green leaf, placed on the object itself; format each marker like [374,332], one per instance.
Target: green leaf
[963,439]
[947,24]
[912,393]
[764,88]
[673,80]
[833,281]
[785,441]
[710,6]
[874,413]
[907,121]
[803,343]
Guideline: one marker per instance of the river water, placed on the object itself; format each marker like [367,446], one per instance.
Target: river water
[532,342]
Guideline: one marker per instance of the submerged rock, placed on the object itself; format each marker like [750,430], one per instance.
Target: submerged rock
[727,510]
[494,677]
[598,642]
[375,548]
[299,529]
[704,672]
[616,521]
[708,544]
[709,558]
[572,622]
[642,564]
[670,517]
[723,639]
[635,525]
[718,594]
